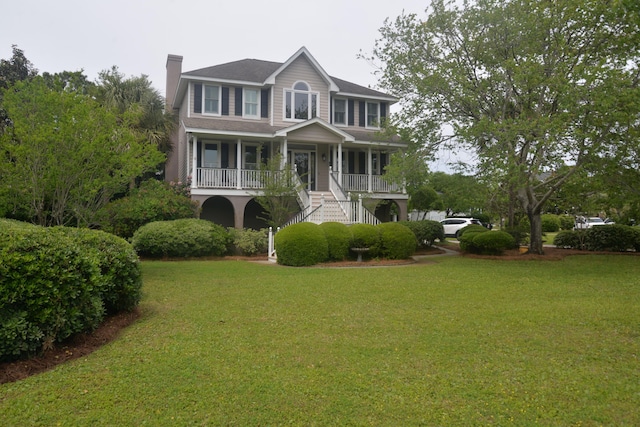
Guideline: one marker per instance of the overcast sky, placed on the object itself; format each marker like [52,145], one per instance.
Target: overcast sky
[137,35]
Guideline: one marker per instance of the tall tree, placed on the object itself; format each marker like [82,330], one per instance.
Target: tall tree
[67,155]
[136,93]
[538,89]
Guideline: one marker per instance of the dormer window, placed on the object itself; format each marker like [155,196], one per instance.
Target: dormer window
[300,102]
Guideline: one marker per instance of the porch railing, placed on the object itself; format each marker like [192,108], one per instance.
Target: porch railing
[253,179]
[360,183]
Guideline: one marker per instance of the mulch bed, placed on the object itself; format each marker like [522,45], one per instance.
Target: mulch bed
[75,348]
[85,344]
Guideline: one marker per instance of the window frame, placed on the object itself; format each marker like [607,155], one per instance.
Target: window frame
[376,122]
[289,96]
[203,154]
[257,103]
[346,112]
[204,100]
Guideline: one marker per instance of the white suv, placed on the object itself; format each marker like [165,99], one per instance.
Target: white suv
[452,226]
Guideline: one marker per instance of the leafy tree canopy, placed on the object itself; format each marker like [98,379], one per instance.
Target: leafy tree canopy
[537,89]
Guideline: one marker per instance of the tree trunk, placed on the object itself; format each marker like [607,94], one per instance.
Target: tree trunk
[535,235]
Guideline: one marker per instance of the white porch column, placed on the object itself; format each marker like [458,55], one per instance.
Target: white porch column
[194,161]
[340,163]
[369,171]
[238,164]
[285,148]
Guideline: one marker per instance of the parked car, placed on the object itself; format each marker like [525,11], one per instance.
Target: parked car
[588,222]
[452,226]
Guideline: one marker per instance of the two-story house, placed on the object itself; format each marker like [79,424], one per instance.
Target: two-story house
[234,116]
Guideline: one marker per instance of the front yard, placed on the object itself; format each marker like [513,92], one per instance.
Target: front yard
[458,341]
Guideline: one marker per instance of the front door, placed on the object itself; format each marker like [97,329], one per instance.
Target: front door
[304,162]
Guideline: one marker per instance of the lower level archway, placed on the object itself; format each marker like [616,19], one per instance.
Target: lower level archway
[254,216]
[387,211]
[218,210]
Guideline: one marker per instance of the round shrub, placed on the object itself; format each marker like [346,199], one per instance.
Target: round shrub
[493,243]
[550,223]
[566,222]
[338,238]
[466,240]
[181,238]
[570,239]
[153,201]
[396,240]
[365,236]
[121,275]
[615,237]
[49,289]
[426,231]
[473,228]
[301,244]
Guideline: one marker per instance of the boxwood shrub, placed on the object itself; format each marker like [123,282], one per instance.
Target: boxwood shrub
[570,239]
[365,236]
[466,242]
[567,222]
[396,240]
[181,238]
[426,231]
[493,243]
[57,282]
[550,223]
[121,275]
[338,237]
[50,289]
[301,244]
[615,238]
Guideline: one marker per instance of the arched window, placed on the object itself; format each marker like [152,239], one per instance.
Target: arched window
[300,102]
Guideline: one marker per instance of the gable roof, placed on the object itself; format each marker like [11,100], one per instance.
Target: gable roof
[260,73]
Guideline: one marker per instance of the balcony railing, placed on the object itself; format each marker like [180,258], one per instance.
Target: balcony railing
[253,179]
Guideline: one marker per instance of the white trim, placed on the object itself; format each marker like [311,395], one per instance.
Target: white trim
[318,121]
[366,115]
[204,100]
[363,96]
[310,93]
[244,103]
[333,111]
[203,151]
[303,51]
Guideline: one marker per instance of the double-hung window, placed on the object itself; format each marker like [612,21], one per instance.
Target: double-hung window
[340,112]
[211,99]
[251,103]
[300,102]
[373,115]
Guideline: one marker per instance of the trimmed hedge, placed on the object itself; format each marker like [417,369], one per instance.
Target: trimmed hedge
[181,238]
[426,231]
[614,238]
[119,267]
[396,240]
[57,282]
[338,237]
[301,244]
[550,223]
[567,222]
[467,236]
[493,243]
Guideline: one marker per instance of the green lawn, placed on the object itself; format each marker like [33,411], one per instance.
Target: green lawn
[457,342]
